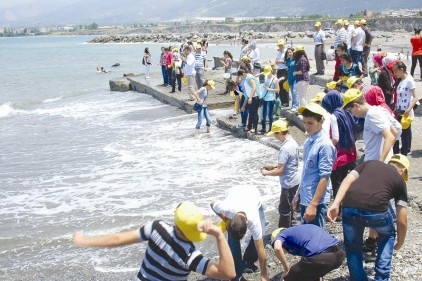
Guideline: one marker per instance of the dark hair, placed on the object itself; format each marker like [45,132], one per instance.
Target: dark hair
[205,83]
[346,57]
[228,53]
[308,113]
[237,226]
[230,84]
[417,31]
[286,55]
[187,48]
[146,50]
[400,65]
[241,72]
[298,54]
[342,46]
[247,68]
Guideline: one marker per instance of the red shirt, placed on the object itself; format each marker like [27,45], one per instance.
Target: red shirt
[416,42]
[169,59]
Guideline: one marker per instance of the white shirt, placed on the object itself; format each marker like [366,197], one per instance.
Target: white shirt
[190,65]
[280,57]
[404,93]
[350,31]
[254,55]
[245,199]
[335,135]
[359,39]
[319,37]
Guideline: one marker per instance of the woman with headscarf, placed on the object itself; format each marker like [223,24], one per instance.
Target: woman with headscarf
[345,147]
[375,70]
[375,96]
[386,80]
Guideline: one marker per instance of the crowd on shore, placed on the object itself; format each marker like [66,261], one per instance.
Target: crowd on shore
[331,185]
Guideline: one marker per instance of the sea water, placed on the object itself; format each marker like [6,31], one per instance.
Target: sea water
[75,156]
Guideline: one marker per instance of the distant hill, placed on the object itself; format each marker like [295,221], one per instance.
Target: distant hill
[116,12]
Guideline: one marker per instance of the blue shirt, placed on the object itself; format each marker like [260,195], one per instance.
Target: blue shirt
[289,156]
[318,158]
[306,240]
[270,82]
[290,62]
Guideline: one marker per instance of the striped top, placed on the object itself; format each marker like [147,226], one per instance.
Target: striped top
[168,257]
[199,60]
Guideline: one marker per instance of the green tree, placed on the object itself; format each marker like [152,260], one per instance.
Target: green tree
[92,26]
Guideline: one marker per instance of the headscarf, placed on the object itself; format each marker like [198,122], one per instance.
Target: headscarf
[378,59]
[387,60]
[375,96]
[332,102]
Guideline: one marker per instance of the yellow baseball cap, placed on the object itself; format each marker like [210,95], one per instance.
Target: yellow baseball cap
[363,21]
[332,85]
[299,48]
[276,232]
[187,216]
[267,69]
[351,81]
[346,22]
[211,83]
[246,58]
[318,98]
[402,160]
[357,22]
[339,21]
[406,121]
[278,126]
[350,95]
[313,107]
[198,46]
[318,23]
[281,42]
[175,50]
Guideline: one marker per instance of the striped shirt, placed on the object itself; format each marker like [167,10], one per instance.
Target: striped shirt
[341,36]
[199,60]
[167,256]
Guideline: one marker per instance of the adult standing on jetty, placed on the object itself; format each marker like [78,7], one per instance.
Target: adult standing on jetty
[291,65]
[366,47]
[301,74]
[280,61]
[416,42]
[255,56]
[364,197]
[189,70]
[350,30]
[170,253]
[200,65]
[201,97]
[146,60]
[163,63]
[358,40]
[169,63]
[319,41]
[287,169]
[250,100]
[242,210]
[177,71]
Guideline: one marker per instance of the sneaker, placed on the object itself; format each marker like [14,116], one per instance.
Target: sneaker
[263,131]
[370,245]
[250,268]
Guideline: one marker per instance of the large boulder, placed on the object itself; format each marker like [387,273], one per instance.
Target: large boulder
[120,85]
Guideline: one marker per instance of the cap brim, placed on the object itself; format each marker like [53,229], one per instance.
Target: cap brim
[270,133]
[301,109]
[196,236]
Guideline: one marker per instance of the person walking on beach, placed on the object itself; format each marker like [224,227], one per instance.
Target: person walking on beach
[364,197]
[201,97]
[319,41]
[287,169]
[318,159]
[146,60]
[320,252]
[189,70]
[242,210]
[416,42]
[171,254]
[301,74]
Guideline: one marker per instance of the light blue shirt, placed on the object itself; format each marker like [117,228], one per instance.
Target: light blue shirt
[318,158]
[289,156]
[270,82]
[203,93]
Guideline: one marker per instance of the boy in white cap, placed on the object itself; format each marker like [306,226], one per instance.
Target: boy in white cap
[287,168]
[171,254]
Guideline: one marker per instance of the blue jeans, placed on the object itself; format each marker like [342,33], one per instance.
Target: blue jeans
[320,215]
[356,56]
[203,112]
[295,97]
[165,74]
[244,115]
[199,77]
[354,223]
[250,255]
[267,108]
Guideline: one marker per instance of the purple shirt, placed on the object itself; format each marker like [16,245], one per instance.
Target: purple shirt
[303,65]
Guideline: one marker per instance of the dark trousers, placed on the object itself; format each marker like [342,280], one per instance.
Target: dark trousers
[364,59]
[176,77]
[338,175]
[244,115]
[283,94]
[170,75]
[356,56]
[253,114]
[285,206]
[406,142]
[312,268]
[416,59]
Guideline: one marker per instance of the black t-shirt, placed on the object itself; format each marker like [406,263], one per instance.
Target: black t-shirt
[376,184]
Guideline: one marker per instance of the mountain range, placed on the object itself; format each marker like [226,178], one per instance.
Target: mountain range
[117,12]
